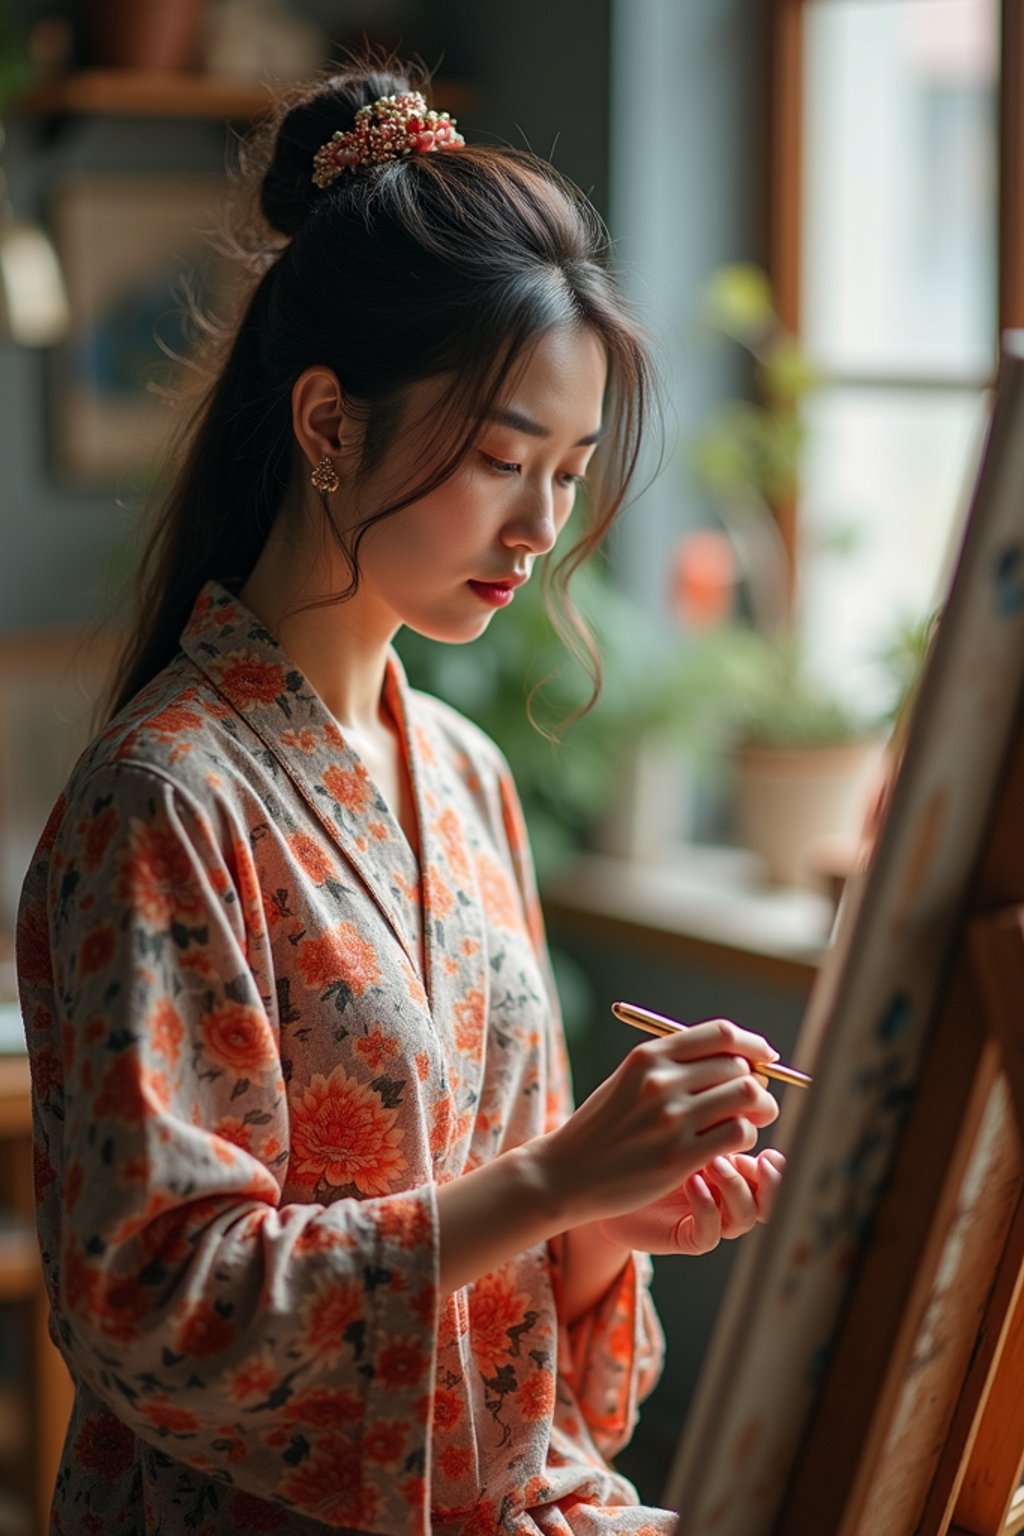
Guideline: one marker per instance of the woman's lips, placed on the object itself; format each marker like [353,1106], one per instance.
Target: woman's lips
[493,592]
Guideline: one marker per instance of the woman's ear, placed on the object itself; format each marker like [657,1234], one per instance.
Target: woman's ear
[317,410]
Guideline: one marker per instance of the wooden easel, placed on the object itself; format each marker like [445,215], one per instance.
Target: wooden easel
[866,1376]
[920,1424]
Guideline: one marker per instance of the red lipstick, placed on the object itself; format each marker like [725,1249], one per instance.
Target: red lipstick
[493,592]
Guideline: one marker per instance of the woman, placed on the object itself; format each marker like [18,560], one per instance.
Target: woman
[324,1243]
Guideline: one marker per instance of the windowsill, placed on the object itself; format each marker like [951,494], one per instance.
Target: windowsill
[704,903]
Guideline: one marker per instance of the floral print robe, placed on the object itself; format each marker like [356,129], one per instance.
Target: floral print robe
[260,1039]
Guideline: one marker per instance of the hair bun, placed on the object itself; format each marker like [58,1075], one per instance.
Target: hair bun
[288,191]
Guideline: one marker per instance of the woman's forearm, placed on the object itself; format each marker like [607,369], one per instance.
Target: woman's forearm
[499,1210]
[492,1214]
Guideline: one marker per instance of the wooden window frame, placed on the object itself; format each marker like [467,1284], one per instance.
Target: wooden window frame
[785,180]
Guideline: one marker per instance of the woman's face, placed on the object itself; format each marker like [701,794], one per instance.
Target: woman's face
[504,506]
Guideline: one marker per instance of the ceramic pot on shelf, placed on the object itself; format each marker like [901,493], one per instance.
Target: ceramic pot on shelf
[159,35]
[790,798]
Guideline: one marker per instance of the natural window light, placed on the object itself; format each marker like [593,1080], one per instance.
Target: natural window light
[899,306]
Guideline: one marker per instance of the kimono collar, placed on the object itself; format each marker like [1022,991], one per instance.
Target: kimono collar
[251,668]
[252,671]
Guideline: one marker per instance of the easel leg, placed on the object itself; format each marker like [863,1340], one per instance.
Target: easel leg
[981,1462]
[997,948]
[987,1452]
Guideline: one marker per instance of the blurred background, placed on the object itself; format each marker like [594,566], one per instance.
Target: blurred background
[815,206]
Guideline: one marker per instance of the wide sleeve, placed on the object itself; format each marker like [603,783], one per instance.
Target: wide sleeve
[285,1349]
[612,1356]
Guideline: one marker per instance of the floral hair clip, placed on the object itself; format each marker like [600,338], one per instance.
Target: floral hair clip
[388,129]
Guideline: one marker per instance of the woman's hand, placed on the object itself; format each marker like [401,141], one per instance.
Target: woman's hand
[670,1107]
[723,1200]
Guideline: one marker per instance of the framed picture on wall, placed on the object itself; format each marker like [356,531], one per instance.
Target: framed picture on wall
[128,246]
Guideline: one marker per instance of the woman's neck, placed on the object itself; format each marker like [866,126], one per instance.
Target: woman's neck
[339,647]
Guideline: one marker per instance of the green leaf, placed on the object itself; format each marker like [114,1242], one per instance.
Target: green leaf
[738,301]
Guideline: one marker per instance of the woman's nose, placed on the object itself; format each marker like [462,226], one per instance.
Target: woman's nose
[533,523]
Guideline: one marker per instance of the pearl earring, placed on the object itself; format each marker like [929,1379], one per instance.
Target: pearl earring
[324,476]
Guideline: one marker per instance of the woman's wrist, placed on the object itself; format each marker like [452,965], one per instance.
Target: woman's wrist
[495,1212]
[543,1174]
[524,1197]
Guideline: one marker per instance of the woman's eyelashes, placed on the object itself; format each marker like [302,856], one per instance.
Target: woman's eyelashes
[507,467]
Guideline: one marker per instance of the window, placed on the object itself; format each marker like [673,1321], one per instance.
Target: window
[886,248]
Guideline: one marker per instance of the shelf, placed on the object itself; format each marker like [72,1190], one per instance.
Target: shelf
[706,905]
[139,93]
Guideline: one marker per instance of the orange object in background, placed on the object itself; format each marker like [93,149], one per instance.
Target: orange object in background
[703,578]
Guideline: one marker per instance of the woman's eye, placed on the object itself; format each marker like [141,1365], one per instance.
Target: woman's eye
[500,466]
[507,467]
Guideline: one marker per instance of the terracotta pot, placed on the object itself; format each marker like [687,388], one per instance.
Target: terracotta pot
[788,798]
[161,35]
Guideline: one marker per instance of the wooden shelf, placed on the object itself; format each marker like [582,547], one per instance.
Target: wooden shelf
[703,908]
[139,93]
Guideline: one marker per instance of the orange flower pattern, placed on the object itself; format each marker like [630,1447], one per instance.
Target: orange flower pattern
[342,1134]
[262,1032]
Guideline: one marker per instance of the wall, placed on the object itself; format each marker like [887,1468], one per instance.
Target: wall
[59,545]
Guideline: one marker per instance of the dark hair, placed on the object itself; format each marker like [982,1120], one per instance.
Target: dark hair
[446,263]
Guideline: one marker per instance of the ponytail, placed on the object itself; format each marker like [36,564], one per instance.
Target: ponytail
[219,510]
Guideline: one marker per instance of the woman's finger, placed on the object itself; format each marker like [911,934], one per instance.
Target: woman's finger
[714,1037]
[768,1186]
[746,1165]
[752,1168]
[743,1096]
[703,1224]
[709,1070]
[729,1137]
[739,1207]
